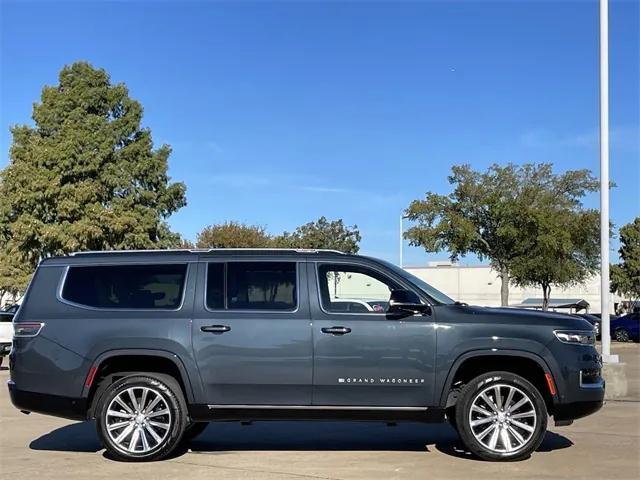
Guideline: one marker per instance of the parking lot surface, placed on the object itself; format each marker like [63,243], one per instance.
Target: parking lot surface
[605,445]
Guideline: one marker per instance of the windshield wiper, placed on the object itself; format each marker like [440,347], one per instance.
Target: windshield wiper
[464,304]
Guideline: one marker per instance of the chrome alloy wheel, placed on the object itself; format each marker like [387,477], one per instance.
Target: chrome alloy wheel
[502,418]
[138,420]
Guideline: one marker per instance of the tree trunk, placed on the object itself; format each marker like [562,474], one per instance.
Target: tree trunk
[504,287]
[546,293]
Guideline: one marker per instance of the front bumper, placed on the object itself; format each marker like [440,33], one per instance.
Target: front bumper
[573,411]
[65,407]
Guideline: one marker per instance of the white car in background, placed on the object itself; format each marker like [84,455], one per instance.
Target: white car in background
[6,330]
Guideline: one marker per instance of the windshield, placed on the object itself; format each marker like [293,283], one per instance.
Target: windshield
[434,293]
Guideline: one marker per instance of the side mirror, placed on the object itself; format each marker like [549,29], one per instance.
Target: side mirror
[407,302]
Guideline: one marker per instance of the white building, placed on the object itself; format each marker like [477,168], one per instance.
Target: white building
[480,285]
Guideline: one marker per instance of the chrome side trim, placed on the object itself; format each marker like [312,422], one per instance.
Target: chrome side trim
[314,407]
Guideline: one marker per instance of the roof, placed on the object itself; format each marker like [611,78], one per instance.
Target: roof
[228,251]
[183,254]
[554,303]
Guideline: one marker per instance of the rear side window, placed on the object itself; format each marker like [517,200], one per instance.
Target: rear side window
[252,286]
[126,286]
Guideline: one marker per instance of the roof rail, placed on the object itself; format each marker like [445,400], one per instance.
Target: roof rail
[209,250]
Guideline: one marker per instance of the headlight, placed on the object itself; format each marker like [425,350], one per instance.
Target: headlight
[575,338]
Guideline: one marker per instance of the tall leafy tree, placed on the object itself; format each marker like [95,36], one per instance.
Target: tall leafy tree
[322,233]
[86,175]
[233,235]
[562,247]
[625,276]
[484,213]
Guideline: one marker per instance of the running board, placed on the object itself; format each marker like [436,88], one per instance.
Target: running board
[200,412]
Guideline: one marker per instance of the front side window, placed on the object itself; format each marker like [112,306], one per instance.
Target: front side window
[126,286]
[252,286]
[354,289]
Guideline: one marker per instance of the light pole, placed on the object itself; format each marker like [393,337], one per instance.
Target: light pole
[604,183]
[402,217]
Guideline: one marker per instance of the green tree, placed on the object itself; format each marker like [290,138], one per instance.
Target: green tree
[86,175]
[485,212]
[233,235]
[562,247]
[625,276]
[322,233]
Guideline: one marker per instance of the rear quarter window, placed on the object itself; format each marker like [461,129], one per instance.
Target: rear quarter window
[158,287]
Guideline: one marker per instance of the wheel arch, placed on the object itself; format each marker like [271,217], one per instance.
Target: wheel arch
[115,364]
[477,362]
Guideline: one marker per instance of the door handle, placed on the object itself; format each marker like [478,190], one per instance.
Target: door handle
[336,330]
[215,328]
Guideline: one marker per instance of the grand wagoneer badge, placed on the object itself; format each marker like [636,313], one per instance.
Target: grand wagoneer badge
[380,380]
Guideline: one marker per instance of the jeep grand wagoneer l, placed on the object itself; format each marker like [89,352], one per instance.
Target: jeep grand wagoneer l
[154,344]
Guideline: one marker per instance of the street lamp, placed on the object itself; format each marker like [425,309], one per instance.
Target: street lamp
[402,217]
[604,184]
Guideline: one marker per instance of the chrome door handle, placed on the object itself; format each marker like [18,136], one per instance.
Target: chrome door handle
[336,330]
[215,328]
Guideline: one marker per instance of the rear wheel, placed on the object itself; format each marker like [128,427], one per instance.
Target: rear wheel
[142,417]
[501,416]
[622,335]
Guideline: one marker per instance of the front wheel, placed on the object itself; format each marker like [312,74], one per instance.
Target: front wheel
[142,417]
[501,416]
[622,335]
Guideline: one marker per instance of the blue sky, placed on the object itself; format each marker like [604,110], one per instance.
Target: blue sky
[279,113]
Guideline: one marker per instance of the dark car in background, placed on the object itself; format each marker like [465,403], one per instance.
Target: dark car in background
[593,320]
[626,327]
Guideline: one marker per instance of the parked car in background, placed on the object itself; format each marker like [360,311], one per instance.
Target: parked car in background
[593,320]
[626,327]
[6,331]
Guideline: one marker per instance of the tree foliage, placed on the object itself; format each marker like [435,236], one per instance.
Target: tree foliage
[86,175]
[319,234]
[504,213]
[334,235]
[625,276]
[233,235]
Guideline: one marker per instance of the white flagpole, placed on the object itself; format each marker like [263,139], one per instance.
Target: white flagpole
[604,183]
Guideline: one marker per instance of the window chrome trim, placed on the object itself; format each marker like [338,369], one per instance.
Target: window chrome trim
[247,310]
[316,264]
[63,280]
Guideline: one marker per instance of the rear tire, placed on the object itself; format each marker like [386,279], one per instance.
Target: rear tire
[501,417]
[142,417]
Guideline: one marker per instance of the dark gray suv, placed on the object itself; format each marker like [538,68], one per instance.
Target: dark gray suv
[155,344]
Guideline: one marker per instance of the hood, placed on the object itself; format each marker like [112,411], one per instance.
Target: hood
[523,316]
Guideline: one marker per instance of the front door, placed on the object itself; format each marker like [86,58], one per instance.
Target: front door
[251,332]
[362,355]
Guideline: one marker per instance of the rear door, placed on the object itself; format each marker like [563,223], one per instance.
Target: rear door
[364,356]
[251,331]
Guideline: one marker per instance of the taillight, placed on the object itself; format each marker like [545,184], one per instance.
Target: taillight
[27,329]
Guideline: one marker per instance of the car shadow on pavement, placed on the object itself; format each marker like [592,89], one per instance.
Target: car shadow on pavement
[222,437]
[76,437]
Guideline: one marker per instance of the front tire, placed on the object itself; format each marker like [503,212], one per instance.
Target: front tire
[501,417]
[142,417]
[622,335]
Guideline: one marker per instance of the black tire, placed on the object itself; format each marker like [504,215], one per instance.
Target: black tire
[170,393]
[505,382]
[194,429]
[622,335]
